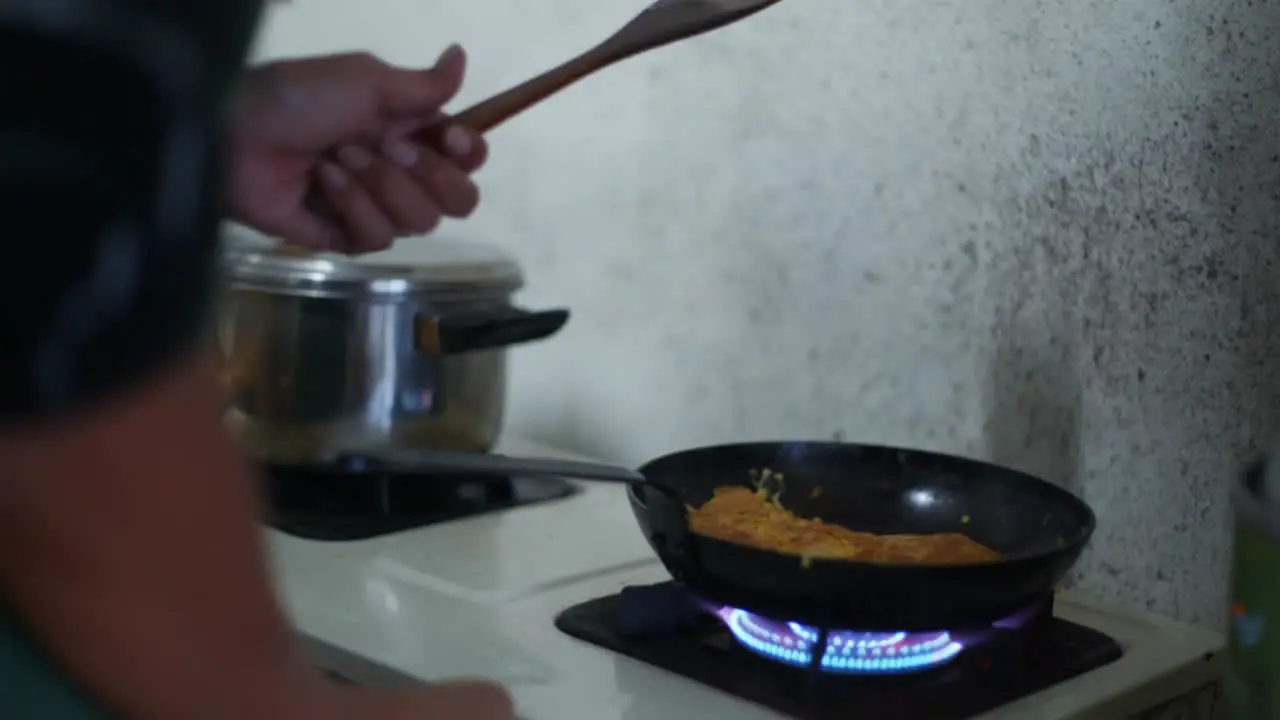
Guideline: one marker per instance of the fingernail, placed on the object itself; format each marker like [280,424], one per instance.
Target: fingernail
[447,180]
[457,140]
[355,158]
[332,174]
[401,152]
[450,54]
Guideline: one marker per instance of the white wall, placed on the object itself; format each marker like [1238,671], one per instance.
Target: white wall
[1039,231]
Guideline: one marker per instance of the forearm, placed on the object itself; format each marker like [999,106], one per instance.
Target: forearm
[129,540]
[129,544]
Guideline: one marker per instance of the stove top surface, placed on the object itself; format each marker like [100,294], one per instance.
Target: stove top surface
[927,675]
[479,597]
[361,502]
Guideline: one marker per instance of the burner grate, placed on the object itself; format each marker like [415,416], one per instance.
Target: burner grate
[675,633]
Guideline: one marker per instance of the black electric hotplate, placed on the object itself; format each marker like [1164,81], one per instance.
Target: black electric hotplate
[356,501]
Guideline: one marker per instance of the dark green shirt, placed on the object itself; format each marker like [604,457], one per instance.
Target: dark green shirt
[31,686]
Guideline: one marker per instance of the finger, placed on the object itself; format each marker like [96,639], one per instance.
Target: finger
[367,228]
[412,93]
[446,701]
[308,230]
[474,700]
[462,145]
[466,148]
[451,67]
[452,188]
[410,206]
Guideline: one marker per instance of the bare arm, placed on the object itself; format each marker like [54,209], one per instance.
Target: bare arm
[129,544]
[129,540]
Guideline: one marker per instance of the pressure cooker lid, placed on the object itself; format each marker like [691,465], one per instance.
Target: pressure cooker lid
[432,266]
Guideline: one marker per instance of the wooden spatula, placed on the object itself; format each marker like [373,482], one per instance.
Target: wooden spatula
[665,22]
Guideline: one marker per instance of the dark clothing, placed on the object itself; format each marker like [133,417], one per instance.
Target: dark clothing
[111,148]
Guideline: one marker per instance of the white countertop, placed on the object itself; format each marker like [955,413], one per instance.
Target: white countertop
[477,598]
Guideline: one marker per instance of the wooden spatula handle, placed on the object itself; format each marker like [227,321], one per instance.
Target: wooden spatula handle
[488,114]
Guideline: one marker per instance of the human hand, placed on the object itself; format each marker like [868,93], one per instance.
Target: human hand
[444,701]
[311,696]
[321,156]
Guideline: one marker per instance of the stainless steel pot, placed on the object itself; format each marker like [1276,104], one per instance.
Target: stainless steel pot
[325,355]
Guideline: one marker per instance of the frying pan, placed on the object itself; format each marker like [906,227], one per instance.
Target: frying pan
[1038,528]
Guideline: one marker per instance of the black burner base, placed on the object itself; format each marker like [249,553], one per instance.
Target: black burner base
[337,504]
[672,633]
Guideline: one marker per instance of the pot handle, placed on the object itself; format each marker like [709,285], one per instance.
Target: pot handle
[453,334]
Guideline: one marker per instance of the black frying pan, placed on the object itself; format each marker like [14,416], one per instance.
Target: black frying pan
[1038,528]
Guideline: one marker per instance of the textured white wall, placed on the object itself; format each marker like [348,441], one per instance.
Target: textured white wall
[1038,231]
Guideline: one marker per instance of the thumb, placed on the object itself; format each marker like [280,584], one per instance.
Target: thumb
[445,701]
[413,93]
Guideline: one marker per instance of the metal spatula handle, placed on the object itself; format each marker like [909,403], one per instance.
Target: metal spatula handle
[486,464]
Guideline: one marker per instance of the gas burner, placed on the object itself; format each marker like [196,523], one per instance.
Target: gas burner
[942,675]
[847,652]
[855,652]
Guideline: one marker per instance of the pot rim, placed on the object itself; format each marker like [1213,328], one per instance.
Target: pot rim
[449,268]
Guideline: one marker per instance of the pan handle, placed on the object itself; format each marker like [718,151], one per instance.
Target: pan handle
[461,333]
[490,464]
[677,530]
